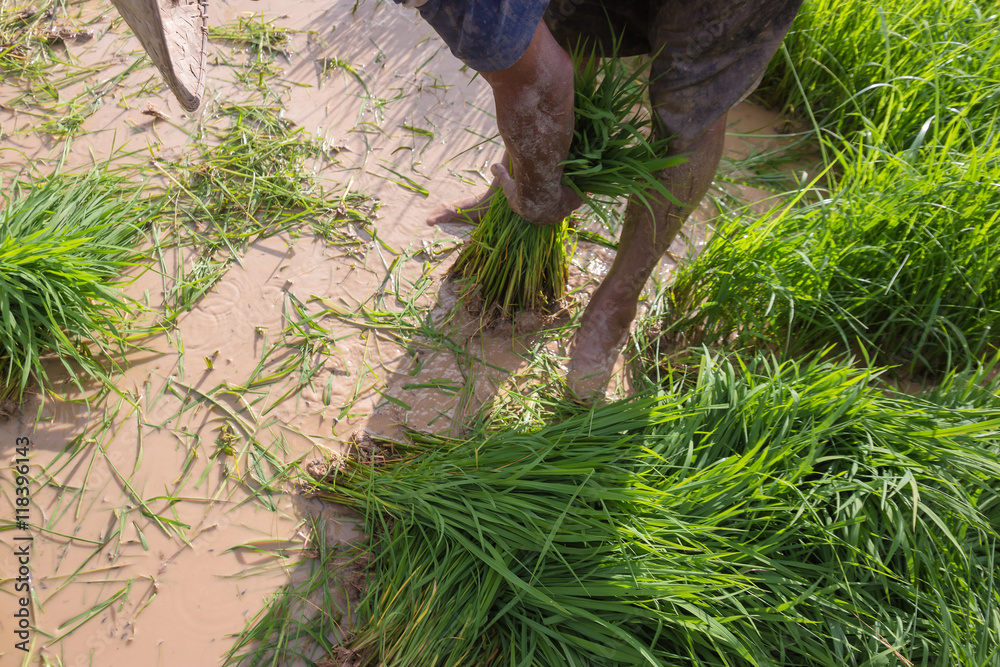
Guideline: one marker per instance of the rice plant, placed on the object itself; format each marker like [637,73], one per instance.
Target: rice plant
[65,244]
[758,513]
[900,68]
[513,265]
[900,259]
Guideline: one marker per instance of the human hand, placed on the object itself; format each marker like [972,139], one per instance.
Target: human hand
[539,204]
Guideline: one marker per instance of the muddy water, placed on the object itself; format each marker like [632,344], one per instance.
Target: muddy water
[150,529]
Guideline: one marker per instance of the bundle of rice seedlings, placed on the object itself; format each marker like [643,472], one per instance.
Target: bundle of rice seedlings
[901,259]
[900,67]
[762,514]
[64,245]
[899,255]
[512,264]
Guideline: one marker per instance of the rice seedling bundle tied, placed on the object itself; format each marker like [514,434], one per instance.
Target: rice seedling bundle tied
[764,514]
[513,264]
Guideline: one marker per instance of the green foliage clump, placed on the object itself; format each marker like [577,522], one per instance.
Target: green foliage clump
[762,514]
[511,264]
[64,245]
[901,259]
[898,256]
[896,67]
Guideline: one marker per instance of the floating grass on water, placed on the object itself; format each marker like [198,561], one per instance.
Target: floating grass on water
[25,52]
[263,40]
[64,245]
[760,514]
[254,32]
[513,265]
[308,617]
[259,180]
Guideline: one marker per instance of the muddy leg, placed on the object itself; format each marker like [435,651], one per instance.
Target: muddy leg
[645,238]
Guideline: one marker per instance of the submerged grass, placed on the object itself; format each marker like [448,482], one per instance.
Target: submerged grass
[64,245]
[758,514]
[510,264]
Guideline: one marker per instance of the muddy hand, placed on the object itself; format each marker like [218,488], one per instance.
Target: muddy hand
[539,205]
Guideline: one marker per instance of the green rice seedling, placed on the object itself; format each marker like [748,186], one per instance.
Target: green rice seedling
[898,257]
[510,264]
[900,260]
[757,513]
[65,243]
[903,69]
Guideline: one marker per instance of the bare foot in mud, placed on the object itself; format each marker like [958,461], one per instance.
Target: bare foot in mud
[467,211]
[595,348]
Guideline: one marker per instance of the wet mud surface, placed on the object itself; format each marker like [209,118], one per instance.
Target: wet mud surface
[167,517]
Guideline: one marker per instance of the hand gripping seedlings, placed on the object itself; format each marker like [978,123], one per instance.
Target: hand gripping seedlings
[511,264]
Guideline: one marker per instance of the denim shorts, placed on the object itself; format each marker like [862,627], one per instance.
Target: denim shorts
[487,35]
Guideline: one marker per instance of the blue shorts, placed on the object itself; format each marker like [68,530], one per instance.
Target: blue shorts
[487,35]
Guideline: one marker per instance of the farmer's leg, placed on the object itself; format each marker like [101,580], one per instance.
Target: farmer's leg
[647,232]
[707,56]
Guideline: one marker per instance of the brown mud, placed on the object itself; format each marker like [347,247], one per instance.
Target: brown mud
[155,537]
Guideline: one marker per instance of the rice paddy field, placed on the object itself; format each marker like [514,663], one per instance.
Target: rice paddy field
[265,429]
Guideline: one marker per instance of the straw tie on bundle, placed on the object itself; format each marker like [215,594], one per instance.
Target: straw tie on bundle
[175,35]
